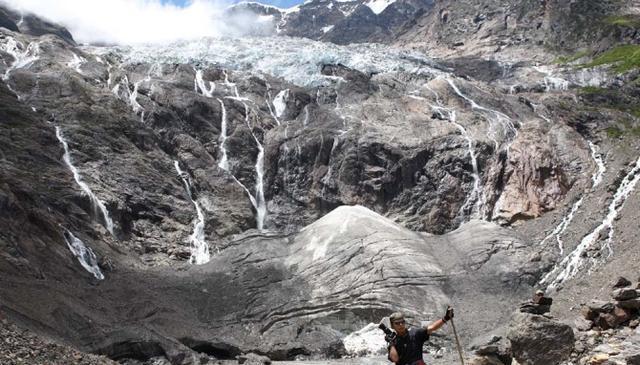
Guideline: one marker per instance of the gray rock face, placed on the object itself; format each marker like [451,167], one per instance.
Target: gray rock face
[538,340]
[514,28]
[32,25]
[340,22]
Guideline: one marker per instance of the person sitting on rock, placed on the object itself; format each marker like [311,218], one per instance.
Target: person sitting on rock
[405,346]
[539,304]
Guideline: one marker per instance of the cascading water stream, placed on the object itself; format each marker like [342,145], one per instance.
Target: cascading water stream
[199,83]
[509,130]
[270,101]
[596,178]
[76,63]
[597,157]
[224,160]
[22,57]
[551,82]
[97,204]
[327,177]
[257,199]
[475,200]
[84,254]
[199,247]
[578,258]
[280,102]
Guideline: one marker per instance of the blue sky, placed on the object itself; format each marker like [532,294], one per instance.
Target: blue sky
[278,3]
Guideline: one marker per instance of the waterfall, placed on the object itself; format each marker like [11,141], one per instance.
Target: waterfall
[327,177]
[577,259]
[560,228]
[476,196]
[596,179]
[597,157]
[509,130]
[96,203]
[269,102]
[22,57]
[84,254]
[224,161]
[257,199]
[305,121]
[200,84]
[280,102]
[199,247]
[76,63]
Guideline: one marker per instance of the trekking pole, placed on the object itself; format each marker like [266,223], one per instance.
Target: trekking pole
[455,334]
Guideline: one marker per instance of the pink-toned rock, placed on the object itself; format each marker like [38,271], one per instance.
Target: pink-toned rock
[622,315]
[535,180]
[606,321]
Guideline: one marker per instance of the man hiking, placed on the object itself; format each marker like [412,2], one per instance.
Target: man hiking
[405,345]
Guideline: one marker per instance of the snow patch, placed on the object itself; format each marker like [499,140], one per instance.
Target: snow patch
[378,6]
[366,341]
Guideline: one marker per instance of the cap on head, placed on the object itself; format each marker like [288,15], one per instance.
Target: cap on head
[539,292]
[396,317]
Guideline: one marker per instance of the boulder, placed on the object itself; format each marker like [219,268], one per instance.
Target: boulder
[625,294]
[633,359]
[598,359]
[622,315]
[600,306]
[583,324]
[485,360]
[492,348]
[606,321]
[588,313]
[253,359]
[539,340]
[621,282]
[629,304]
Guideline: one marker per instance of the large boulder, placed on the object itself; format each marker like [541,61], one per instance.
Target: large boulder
[539,340]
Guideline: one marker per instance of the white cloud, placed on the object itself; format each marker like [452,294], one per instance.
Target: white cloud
[130,21]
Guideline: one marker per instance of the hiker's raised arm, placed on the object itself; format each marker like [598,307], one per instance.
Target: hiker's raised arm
[440,322]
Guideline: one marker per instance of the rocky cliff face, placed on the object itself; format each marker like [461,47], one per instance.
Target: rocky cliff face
[227,196]
[524,30]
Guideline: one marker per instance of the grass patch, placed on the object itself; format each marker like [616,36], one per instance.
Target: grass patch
[563,60]
[592,90]
[629,20]
[614,132]
[624,58]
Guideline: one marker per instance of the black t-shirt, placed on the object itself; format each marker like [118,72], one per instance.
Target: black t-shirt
[409,346]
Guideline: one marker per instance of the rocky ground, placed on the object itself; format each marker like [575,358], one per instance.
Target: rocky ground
[19,346]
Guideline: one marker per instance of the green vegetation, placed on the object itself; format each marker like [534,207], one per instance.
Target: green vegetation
[624,58]
[563,60]
[592,90]
[614,132]
[630,20]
